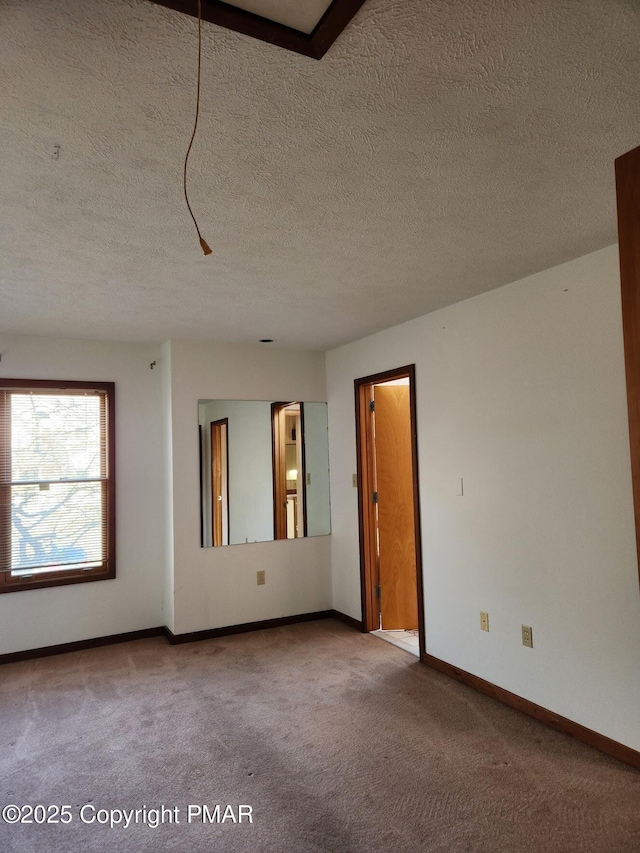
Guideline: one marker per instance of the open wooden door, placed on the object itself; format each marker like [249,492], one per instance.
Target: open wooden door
[389,502]
[396,517]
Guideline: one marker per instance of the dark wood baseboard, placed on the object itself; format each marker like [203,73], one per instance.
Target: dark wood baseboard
[348,620]
[244,627]
[177,639]
[79,645]
[549,718]
[562,724]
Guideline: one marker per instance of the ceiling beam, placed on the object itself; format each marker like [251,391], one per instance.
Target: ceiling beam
[332,23]
[314,45]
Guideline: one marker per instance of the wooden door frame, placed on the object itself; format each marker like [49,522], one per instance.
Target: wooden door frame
[212,428]
[627,173]
[366,520]
[303,457]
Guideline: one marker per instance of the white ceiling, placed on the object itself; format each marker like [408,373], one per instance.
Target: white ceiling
[440,149]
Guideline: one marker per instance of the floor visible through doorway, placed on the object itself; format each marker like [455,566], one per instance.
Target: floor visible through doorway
[407,640]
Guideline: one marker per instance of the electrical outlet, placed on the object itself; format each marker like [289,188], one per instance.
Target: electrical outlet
[261,578]
[527,636]
[484,621]
[308,478]
[354,481]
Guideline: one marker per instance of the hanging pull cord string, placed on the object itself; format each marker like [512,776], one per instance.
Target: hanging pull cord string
[203,243]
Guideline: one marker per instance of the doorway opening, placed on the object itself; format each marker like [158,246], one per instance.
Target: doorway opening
[389,508]
[289,475]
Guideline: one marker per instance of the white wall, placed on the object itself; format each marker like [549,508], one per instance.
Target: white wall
[317,465]
[250,467]
[521,392]
[133,600]
[215,587]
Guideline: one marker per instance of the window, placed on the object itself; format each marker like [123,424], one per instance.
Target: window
[57,483]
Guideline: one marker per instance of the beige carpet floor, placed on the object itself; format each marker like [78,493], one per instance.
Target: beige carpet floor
[337,740]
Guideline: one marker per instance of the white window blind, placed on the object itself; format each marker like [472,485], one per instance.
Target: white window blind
[53,481]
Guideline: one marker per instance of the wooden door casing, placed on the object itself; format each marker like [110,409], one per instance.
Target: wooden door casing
[369,576]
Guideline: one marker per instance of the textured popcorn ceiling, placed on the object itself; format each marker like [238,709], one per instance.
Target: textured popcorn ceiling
[440,149]
[292,13]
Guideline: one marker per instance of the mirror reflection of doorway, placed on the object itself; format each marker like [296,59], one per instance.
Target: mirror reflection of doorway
[220,482]
[289,496]
[250,470]
[388,508]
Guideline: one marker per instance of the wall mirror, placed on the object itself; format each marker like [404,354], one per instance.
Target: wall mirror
[264,471]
